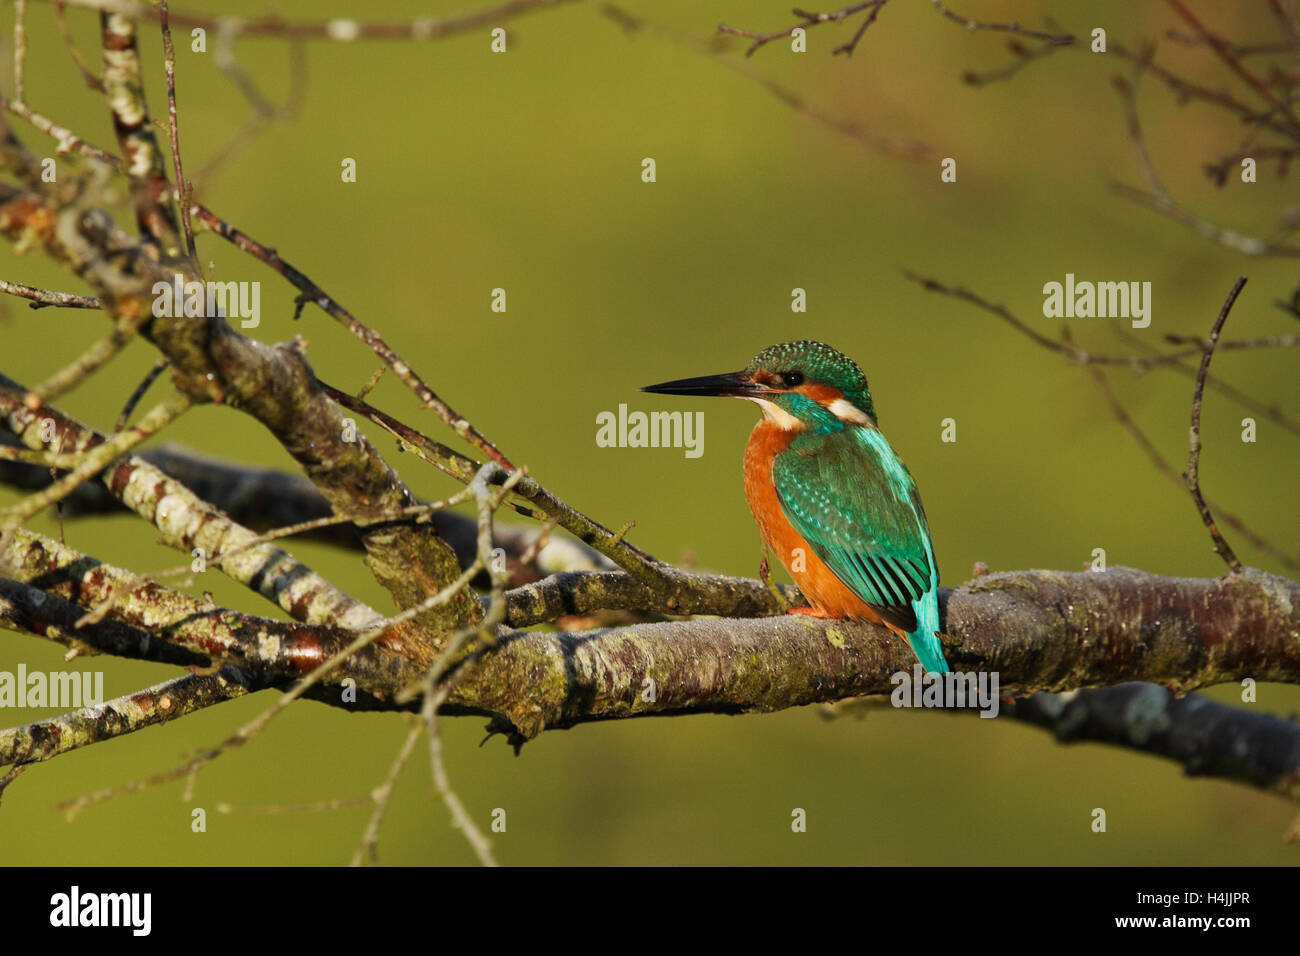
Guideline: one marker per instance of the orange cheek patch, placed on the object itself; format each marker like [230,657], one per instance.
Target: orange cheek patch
[823,394]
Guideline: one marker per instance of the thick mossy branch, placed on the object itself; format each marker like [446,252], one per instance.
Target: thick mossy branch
[1039,630]
[674,593]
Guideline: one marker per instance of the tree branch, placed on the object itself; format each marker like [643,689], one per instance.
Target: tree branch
[185,518]
[263,498]
[273,384]
[1209,739]
[1039,630]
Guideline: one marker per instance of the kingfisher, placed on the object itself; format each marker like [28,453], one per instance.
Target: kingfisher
[830,498]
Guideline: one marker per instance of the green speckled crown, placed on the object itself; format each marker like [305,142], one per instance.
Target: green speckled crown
[821,365]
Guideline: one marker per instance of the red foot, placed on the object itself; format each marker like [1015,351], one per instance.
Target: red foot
[811,612]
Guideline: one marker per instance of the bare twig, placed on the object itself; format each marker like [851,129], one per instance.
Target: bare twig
[173,127]
[897,146]
[460,817]
[44,298]
[1076,353]
[1165,468]
[314,293]
[91,360]
[1239,50]
[1024,56]
[1224,51]
[67,140]
[1270,412]
[848,48]
[1056,39]
[1249,245]
[92,81]
[808,20]
[369,848]
[134,398]
[543,504]
[20,48]
[1158,196]
[1194,453]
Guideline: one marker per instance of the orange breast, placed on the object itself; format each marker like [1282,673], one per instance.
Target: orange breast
[818,583]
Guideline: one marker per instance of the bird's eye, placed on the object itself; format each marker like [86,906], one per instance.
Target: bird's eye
[791,379]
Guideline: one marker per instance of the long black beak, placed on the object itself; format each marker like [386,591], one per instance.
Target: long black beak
[737,384]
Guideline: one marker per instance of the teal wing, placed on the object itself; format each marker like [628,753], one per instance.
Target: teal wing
[850,497]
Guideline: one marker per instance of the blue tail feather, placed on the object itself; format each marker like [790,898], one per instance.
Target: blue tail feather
[925,643]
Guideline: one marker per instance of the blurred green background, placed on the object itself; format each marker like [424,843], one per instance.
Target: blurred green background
[522,171]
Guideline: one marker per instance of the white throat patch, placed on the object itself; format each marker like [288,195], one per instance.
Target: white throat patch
[777,415]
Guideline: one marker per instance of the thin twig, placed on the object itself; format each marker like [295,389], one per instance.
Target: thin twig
[264,112]
[1056,39]
[94,358]
[1235,49]
[435,695]
[848,48]
[897,146]
[460,817]
[311,292]
[52,459]
[381,795]
[1165,468]
[1137,363]
[1024,57]
[173,128]
[283,809]
[1194,451]
[20,48]
[92,81]
[1158,197]
[809,20]
[314,293]
[134,399]
[1254,405]
[44,298]
[1224,51]
[542,504]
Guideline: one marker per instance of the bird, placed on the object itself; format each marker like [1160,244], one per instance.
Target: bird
[830,497]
